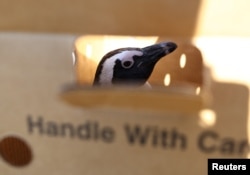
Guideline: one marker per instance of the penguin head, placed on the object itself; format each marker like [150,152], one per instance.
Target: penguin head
[130,65]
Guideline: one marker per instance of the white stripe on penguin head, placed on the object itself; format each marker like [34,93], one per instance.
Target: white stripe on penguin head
[107,71]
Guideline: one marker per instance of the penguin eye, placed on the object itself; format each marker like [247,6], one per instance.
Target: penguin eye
[127,64]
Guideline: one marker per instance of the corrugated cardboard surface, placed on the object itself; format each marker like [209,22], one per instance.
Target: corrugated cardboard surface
[131,17]
[33,70]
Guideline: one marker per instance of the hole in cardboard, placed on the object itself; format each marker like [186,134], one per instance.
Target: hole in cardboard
[198,90]
[183,60]
[207,118]
[74,59]
[178,73]
[15,151]
[184,65]
[167,80]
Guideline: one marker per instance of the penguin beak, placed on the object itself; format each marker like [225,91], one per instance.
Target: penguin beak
[155,52]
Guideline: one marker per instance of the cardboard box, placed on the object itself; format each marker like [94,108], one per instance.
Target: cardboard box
[61,128]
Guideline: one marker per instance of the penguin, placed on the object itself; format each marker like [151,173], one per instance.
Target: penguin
[130,66]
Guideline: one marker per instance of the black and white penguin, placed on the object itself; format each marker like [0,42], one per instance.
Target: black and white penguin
[128,66]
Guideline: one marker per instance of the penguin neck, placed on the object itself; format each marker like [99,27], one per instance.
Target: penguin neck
[147,85]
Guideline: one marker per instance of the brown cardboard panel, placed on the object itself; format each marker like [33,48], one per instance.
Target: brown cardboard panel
[156,100]
[140,17]
[66,139]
